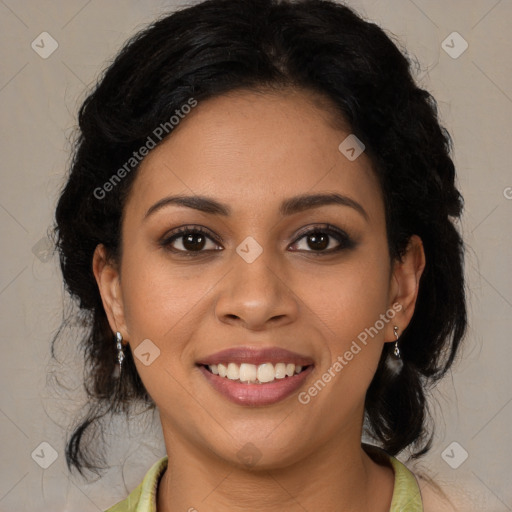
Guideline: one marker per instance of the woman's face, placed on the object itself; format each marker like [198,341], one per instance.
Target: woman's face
[256,280]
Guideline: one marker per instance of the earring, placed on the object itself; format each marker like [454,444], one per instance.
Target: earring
[396,351]
[395,364]
[120,352]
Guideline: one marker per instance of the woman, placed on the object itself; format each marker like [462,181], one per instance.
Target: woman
[258,220]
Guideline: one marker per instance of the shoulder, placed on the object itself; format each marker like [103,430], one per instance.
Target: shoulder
[440,499]
[434,498]
[143,497]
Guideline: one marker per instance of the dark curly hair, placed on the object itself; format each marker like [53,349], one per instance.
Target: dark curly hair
[219,46]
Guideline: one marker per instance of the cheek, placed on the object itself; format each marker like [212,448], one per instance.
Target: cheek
[347,297]
[158,297]
[348,301]
[162,304]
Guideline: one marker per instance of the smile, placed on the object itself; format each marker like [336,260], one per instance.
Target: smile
[255,374]
[251,385]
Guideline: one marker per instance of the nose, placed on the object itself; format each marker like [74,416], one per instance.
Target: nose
[256,295]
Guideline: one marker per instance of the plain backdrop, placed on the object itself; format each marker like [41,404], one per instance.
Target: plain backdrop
[39,98]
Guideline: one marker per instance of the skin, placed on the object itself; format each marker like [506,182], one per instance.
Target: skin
[251,151]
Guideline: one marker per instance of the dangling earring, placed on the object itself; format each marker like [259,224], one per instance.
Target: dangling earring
[120,352]
[396,351]
[396,363]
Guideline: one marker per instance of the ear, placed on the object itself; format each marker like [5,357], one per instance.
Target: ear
[108,280]
[404,286]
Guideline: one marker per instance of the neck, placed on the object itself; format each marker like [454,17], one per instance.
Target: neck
[339,476]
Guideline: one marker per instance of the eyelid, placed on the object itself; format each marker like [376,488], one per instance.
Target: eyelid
[181,231]
[321,226]
[345,241]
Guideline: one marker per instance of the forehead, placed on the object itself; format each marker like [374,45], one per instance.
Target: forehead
[251,149]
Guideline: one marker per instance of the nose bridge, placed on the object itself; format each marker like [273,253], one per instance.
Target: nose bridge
[254,292]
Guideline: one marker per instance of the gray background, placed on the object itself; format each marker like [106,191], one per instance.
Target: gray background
[38,101]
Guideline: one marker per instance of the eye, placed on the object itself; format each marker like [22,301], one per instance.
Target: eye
[189,240]
[193,240]
[320,239]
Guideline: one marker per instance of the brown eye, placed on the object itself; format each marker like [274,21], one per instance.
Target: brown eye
[318,241]
[323,240]
[189,240]
[193,241]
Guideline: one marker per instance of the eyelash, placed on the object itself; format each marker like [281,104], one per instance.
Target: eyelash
[345,242]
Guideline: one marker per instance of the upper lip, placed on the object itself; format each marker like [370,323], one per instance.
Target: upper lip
[256,356]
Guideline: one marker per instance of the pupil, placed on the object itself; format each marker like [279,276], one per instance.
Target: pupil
[318,241]
[194,241]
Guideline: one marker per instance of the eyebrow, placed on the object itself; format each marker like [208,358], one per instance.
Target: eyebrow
[288,207]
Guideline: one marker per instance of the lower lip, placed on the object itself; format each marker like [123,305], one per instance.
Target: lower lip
[256,394]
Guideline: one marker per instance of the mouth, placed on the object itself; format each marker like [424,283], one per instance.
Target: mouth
[255,376]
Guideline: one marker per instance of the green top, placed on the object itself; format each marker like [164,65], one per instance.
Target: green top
[406,493]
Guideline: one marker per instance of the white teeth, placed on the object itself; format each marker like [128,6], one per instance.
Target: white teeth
[262,373]
[266,372]
[280,369]
[248,372]
[233,372]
